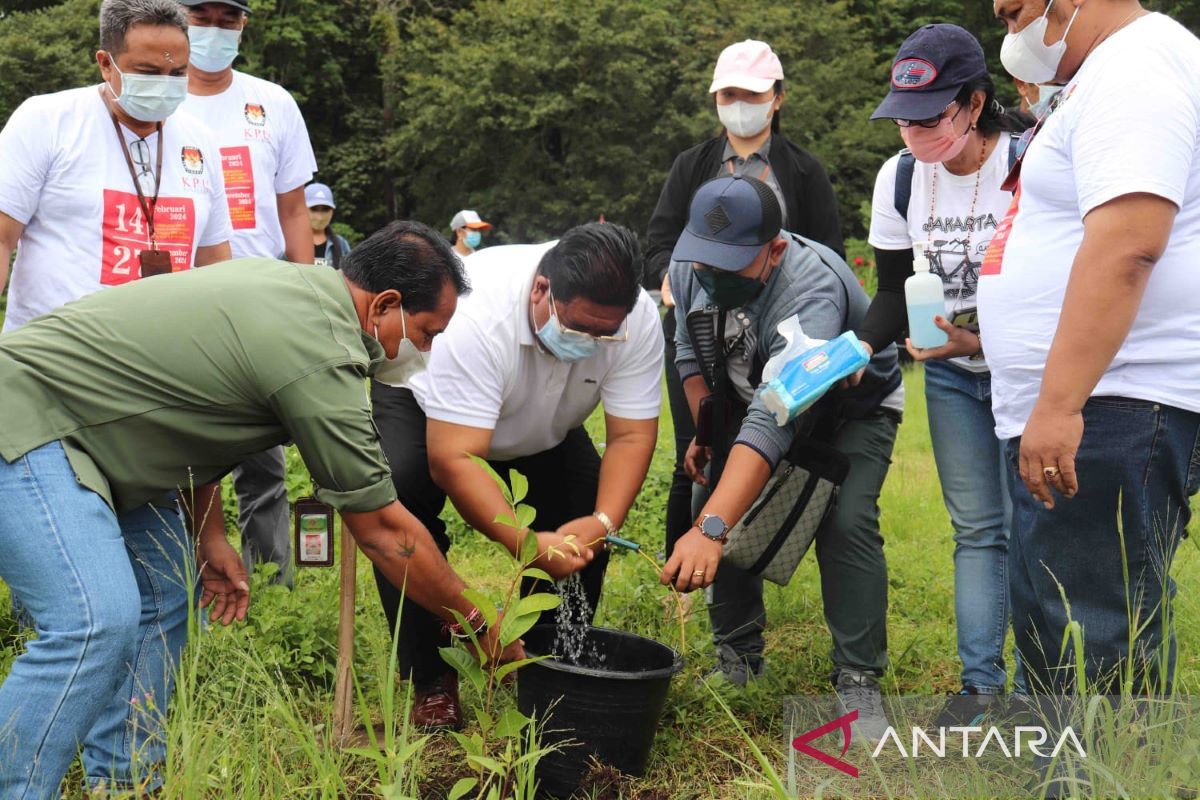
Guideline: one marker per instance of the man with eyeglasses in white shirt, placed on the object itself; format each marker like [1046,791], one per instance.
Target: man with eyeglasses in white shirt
[549,333]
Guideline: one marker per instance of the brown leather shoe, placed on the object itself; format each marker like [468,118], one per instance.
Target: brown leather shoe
[435,705]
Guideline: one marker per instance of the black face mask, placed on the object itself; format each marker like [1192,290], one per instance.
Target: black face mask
[729,289]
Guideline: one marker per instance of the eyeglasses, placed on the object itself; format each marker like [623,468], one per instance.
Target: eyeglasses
[614,339]
[932,122]
[1014,174]
[139,151]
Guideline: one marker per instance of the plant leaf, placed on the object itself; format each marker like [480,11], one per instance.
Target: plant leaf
[486,467]
[465,664]
[537,603]
[513,627]
[529,548]
[486,607]
[507,519]
[485,720]
[513,666]
[471,745]
[461,788]
[511,723]
[490,764]
[520,486]
[525,516]
[540,574]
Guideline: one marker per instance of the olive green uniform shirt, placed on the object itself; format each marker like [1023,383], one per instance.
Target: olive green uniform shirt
[171,381]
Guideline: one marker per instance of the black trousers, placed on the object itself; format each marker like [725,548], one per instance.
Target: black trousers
[679,500]
[562,486]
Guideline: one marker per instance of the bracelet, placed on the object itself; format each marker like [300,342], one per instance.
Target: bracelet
[474,621]
[609,528]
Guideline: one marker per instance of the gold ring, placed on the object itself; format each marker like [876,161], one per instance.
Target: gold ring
[1050,472]
[698,573]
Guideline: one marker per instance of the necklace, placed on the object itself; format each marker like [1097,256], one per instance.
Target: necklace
[971,221]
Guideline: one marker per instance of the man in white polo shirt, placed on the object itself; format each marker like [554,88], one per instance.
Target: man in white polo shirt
[1090,320]
[548,333]
[78,212]
[267,160]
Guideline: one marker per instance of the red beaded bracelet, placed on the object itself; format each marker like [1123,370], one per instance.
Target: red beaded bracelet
[474,621]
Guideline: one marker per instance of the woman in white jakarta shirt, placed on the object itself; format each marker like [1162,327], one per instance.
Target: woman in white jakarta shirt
[942,195]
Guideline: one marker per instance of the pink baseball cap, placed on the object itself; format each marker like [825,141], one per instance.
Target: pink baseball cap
[749,65]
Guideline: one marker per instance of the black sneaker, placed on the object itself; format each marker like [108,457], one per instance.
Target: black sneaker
[966,708]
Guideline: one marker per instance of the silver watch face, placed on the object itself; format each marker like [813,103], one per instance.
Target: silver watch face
[713,526]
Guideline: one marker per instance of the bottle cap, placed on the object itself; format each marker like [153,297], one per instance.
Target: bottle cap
[920,261]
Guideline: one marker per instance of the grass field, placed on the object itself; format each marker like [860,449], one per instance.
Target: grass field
[252,714]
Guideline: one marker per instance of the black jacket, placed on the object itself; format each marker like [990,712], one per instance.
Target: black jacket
[812,209]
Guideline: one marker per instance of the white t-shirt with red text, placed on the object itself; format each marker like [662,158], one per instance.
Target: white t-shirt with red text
[1129,122]
[62,176]
[265,152]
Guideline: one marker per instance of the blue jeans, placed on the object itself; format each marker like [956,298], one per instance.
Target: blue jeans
[109,595]
[974,477]
[1138,463]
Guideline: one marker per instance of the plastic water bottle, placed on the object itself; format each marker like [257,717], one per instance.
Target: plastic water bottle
[925,298]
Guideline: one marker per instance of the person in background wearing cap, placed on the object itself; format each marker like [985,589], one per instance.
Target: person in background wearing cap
[468,232]
[329,248]
[549,332]
[734,255]
[267,159]
[747,89]
[948,182]
[1092,330]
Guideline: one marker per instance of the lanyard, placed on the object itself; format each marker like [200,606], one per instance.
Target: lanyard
[147,205]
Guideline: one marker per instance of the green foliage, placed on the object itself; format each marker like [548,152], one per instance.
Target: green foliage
[47,50]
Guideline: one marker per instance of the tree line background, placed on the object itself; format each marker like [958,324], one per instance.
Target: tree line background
[541,114]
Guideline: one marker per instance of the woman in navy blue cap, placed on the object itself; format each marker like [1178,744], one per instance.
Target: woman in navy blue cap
[942,195]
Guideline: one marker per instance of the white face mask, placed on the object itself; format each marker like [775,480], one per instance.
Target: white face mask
[213,49]
[149,98]
[1026,55]
[746,119]
[409,361]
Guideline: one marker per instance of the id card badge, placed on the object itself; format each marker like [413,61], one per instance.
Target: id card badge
[154,262]
[313,521]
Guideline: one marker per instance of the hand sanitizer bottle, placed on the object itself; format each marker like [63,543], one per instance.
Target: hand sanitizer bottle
[925,298]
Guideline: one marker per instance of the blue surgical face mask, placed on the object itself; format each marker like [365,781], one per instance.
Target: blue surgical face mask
[473,239]
[149,98]
[213,49]
[1045,95]
[565,345]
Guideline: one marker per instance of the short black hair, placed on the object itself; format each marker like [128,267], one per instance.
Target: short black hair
[409,257]
[598,261]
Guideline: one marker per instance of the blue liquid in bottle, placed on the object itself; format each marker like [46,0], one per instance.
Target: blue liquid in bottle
[924,297]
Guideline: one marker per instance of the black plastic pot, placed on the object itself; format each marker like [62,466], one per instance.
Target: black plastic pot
[610,712]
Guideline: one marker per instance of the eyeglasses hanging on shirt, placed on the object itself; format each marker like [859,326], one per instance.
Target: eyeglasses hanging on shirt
[1014,174]
[151,260]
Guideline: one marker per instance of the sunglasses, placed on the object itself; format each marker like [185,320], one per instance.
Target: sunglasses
[932,122]
[139,151]
[620,337]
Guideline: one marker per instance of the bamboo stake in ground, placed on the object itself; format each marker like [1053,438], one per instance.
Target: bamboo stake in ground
[343,693]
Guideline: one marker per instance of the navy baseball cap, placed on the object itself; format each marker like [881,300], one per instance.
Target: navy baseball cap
[931,67]
[730,220]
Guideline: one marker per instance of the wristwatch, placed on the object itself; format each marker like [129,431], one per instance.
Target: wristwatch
[713,527]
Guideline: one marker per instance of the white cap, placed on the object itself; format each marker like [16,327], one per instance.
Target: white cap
[920,260]
[468,219]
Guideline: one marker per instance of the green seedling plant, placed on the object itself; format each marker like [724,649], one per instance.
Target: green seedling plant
[505,750]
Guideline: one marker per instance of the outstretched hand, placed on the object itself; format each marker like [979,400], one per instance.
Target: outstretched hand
[226,587]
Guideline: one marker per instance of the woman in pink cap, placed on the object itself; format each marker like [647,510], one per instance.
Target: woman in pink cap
[747,88]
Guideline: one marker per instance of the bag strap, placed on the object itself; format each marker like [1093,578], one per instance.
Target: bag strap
[1014,149]
[904,178]
[720,416]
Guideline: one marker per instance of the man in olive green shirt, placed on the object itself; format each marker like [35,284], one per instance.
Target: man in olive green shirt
[165,384]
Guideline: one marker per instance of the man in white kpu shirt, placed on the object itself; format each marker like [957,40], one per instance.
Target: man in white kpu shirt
[70,206]
[548,333]
[68,201]
[1092,328]
[267,158]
